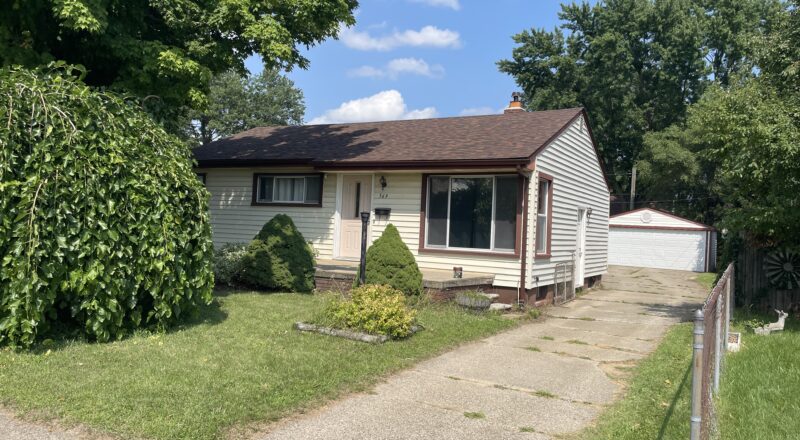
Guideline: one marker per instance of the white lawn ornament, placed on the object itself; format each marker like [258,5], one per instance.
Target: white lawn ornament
[773,327]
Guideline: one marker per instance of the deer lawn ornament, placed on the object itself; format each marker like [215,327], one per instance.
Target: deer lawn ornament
[773,327]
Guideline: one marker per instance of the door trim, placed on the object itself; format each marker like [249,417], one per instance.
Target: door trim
[337,216]
[581,239]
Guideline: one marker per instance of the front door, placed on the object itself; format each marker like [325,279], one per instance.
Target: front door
[580,249]
[356,198]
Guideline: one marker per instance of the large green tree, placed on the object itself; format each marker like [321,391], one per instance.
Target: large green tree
[636,65]
[237,103]
[166,51]
[736,160]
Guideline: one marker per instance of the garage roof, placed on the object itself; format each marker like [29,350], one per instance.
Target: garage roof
[650,218]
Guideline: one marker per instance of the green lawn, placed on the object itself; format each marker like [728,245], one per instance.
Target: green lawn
[707,279]
[656,405]
[760,387]
[758,397]
[241,363]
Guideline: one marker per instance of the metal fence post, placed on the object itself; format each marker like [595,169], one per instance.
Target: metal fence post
[729,303]
[717,341]
[697,375]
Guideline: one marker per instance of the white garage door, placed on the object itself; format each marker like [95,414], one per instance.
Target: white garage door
[662,249]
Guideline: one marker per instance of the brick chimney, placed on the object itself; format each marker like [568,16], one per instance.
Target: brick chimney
[515,105]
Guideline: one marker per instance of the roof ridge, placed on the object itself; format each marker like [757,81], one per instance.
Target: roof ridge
[389,121]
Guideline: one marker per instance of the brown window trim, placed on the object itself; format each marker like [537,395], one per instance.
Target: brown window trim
[255,202]
[548,253]
[478,253]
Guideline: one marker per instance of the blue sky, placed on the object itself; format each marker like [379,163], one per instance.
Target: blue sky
[417,58]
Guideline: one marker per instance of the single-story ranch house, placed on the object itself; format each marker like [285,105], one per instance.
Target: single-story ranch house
[509,198]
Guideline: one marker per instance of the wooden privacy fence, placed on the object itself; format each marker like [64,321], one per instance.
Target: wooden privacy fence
[753,284]
[711,329]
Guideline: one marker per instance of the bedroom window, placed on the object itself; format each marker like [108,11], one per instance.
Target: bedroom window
[284,189]
[472,212]
[544,215]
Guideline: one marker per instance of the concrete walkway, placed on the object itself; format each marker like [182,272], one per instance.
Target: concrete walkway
[535,382]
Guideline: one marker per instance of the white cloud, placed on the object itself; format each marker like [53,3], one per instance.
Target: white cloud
[383,106]
[399,66]
[475,111]
[452,4]
[428,36]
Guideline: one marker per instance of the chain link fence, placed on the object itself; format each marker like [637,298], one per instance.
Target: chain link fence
[711,332]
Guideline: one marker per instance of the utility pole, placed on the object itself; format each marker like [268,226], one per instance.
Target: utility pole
[633,187]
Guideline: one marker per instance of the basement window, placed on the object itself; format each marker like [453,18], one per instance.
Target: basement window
[285,189]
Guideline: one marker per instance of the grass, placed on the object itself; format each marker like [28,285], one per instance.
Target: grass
[759,386]
[526,429]
[656,405]
[545,394]
[474,415]
[239,363]
[547,338]
[536,349]
[707,279]
[577,342]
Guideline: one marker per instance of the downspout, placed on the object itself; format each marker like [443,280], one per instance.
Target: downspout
[523,247]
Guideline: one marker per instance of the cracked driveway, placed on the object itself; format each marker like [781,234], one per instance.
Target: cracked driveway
[538,381]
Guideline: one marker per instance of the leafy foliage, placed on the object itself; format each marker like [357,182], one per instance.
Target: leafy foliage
[167,49]
[750,137]
[238,103]
[390,262]
[736,159]
[636,65]
[228,263]
[104,223]
[279,258]
[372,308]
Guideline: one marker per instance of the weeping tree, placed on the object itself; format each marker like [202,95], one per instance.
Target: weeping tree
[104,225]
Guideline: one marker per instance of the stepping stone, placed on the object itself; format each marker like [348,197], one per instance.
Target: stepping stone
[491,296]
[500,306]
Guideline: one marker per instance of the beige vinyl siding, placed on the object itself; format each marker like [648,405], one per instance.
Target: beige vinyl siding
[404,196]
[577,182]
[235,220]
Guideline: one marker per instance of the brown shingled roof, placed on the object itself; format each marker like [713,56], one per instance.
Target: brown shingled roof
[494,139]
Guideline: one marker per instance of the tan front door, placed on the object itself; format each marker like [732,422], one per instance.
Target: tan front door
[356,198]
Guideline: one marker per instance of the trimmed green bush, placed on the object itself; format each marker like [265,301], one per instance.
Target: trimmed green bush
[373,309]
[103,224]
[228,263]
[279,258]
[390,262]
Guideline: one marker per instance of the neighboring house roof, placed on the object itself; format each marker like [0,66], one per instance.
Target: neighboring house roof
[505,139]
[650,218]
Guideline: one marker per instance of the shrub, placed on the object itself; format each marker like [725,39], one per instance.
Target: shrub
[228,263]
[373,309]
[279,258]
[104,225]
[390,262]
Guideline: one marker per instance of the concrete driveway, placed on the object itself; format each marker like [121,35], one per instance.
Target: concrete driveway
[537,381]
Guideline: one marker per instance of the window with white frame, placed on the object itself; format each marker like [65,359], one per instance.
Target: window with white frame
[288,189]
[543,213]
[472,212]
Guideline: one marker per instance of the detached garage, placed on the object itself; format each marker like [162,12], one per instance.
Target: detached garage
[648,237]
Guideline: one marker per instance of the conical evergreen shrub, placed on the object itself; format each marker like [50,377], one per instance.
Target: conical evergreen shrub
[279,258]
[390,262]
